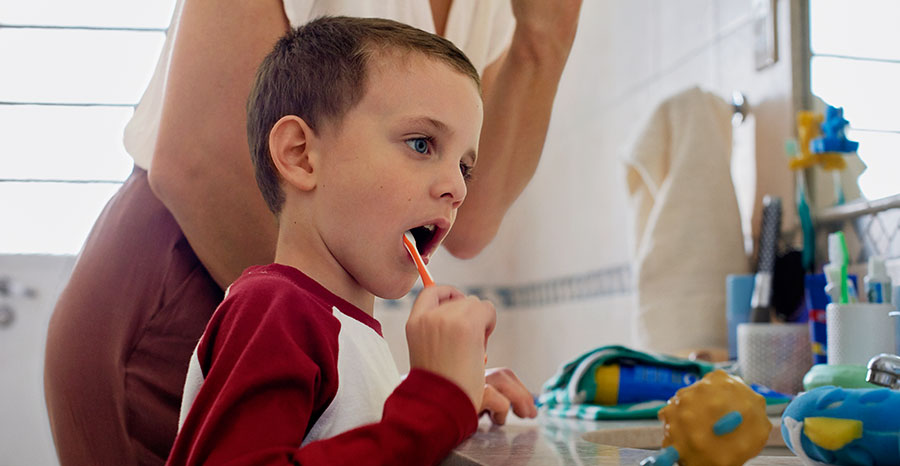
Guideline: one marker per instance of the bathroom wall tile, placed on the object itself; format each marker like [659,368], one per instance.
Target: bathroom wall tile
[730,13]
[693,70]
[684,28]
[735,68]
[577,219]
[587,325]
[589,70]
[615,50]
[635,31]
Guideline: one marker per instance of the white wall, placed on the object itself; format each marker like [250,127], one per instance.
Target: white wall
[573,218]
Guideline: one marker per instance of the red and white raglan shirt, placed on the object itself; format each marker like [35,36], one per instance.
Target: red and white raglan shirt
[289,373]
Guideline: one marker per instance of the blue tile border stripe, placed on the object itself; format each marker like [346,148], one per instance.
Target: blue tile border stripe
[609,281]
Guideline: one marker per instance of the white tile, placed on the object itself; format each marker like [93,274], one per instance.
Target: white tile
[636,52]
[613,50]
[539,340]
[730,13]
[695,70]
[685,27]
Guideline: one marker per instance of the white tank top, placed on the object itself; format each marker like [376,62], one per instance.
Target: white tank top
[482,29]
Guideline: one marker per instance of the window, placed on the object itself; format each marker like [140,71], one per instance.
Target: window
[855,64]
[72,74]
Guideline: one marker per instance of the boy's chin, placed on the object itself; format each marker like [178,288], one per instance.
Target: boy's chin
[397,292]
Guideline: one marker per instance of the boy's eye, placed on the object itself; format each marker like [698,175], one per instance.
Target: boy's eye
[466,171]
[419,145]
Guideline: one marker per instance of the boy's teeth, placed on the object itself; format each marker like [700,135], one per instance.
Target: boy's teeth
[429,227]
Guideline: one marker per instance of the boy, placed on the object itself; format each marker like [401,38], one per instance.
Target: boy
[360,130]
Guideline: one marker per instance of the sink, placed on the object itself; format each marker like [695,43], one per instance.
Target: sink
[650,438]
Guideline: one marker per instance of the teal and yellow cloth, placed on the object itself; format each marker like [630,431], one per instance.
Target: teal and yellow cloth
[616,382]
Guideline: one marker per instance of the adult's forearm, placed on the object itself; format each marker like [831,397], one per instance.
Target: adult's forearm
[518,101]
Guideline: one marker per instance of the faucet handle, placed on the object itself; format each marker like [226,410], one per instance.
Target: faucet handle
[884,370]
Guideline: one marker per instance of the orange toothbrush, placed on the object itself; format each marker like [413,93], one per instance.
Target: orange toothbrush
[410,242]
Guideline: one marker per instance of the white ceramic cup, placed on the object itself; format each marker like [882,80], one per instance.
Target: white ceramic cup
[858,331]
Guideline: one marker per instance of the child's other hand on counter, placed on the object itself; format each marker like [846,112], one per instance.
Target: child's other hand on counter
[502,390]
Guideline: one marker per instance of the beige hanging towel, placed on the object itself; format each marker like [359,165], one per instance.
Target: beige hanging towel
[687,225]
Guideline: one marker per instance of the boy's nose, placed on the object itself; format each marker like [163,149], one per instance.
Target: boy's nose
[451,186]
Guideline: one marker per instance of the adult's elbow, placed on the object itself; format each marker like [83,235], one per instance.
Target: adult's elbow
[160,178]
[168,174]
[466,244]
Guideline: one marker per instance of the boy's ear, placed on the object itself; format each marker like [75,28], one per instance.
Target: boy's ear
[289,144]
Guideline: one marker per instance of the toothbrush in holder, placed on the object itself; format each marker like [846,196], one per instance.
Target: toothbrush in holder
[410,242]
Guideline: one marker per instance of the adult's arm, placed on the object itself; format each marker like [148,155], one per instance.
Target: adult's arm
[518,88]
[201,169]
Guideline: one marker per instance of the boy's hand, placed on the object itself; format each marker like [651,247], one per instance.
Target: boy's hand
[447,334]
[502,390]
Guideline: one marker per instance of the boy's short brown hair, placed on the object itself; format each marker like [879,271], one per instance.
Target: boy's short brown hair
[318,72]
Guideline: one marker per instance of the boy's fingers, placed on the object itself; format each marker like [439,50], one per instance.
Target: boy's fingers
[495,404]
[448,293]
[443,293]
[509,385]
[433,296]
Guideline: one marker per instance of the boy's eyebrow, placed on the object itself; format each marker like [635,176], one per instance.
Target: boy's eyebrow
[437,125]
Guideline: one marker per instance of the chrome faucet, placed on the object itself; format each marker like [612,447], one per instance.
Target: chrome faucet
[884,370]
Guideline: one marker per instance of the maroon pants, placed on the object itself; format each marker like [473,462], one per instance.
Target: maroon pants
[123,332]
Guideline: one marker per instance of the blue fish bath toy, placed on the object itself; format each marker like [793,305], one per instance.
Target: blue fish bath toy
[830,425]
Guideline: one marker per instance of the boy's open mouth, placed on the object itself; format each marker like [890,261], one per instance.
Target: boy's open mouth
[424,236]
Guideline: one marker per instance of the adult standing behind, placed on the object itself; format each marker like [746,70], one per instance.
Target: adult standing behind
[154,266]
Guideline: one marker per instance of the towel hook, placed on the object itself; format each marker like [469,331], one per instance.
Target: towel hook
[740,106]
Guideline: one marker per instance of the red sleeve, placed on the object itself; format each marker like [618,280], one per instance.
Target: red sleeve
[270,369]
[423,419]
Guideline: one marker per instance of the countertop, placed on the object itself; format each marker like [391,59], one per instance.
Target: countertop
[554,441]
